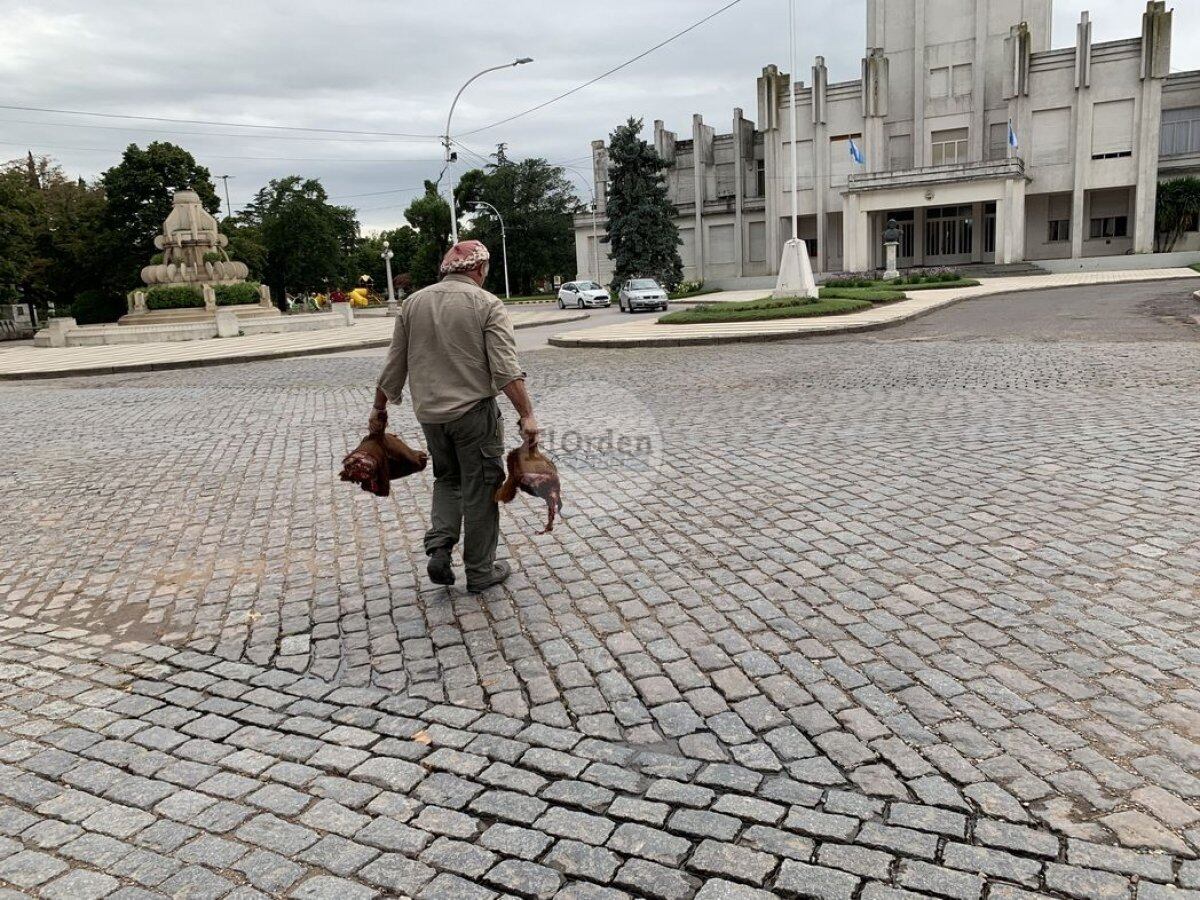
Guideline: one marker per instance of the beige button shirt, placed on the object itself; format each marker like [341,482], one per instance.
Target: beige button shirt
[454,345]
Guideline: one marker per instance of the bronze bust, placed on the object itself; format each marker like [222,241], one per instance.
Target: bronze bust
[892,234]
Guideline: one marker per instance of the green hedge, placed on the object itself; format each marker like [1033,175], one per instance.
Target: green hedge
[97,307]
[870,294]
[187,296]
[242,294]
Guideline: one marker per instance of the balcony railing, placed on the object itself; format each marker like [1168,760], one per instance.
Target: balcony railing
[971,171]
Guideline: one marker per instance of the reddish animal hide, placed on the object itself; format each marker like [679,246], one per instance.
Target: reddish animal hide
[536,475]
[379,459]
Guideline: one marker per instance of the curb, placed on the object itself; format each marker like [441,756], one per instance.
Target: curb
[230,360]
[852,328]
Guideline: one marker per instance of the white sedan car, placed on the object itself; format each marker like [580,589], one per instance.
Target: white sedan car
[642,293]
[583,293]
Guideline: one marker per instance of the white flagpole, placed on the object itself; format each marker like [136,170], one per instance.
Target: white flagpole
[795,127]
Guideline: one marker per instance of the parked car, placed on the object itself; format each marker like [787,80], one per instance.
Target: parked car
[581,294]
[642,293]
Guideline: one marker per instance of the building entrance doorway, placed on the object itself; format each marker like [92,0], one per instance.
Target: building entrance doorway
[949,235]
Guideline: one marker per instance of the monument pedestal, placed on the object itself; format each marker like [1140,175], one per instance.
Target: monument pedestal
[795,272]
[891,247]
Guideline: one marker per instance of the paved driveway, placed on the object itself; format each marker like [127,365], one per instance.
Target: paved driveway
[840,618]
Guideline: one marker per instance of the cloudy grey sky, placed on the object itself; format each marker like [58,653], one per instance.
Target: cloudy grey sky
[394,65]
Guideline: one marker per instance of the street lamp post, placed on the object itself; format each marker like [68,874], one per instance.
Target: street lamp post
[595,212]
[503,243]
[446,137]
[387,255]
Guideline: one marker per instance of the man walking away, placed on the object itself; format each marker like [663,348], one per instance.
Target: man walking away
[455,347]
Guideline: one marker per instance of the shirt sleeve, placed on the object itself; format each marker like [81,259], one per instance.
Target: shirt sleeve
[501,343]
[395,369]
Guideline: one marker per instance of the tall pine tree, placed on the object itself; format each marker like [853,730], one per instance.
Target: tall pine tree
[641,218]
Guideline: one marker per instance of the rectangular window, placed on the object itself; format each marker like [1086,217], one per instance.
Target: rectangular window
[900,152]
[760,178]
[949,147]
[1112,129]
[757,232]
[1180,132]
[998,140]
[1110,227]
[939,83]
[1051,136]
[962,80]
[1058,230]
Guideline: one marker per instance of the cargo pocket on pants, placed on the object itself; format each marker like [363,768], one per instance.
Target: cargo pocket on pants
[492,449]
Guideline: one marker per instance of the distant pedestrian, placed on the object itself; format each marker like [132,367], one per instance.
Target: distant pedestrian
[454,346]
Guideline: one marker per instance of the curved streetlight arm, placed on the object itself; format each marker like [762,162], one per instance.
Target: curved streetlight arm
[446,136]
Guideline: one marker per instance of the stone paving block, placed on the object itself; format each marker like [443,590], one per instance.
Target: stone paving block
[272,833]
[452,887]
[650,843]
[992,862]
[796,879]
[720,889]
[579,860]
[570,823]
[858,860]
[29,868]
[397,873]
[740,863]
[327,887]
[652,880]
[525,878]
[1086,883]
[80,885]
[926,878]
[196,882]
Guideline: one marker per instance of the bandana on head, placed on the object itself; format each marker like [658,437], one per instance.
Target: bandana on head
[463,257]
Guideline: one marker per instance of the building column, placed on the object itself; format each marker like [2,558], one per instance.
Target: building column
[856,234]
[1002,219]
[977,232]
[820,86]
[1082,113]
[1155,67]
[919,236]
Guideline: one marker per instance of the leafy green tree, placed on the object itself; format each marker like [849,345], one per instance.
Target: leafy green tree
[306,238]
[641,218]
[245,244]
[538,205]
[429,214]
[139,191]
[1178,211]
[17,240]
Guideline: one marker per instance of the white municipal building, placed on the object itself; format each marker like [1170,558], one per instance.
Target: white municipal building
[1097,125]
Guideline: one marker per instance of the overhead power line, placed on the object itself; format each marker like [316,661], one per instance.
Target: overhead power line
[339,159]
[224,134]
[603,75]
[102,115]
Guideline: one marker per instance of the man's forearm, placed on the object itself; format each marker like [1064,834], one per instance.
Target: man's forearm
[516,393]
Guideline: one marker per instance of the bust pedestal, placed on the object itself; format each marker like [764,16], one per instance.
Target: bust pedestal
[891,247]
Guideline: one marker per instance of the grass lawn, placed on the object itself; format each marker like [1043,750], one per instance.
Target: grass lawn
[535,298]
[1196,266]
[833,302]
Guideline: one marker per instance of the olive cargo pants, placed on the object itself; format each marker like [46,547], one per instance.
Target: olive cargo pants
[467,470]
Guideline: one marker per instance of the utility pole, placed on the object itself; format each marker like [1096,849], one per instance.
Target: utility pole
[387,255]
[228,205]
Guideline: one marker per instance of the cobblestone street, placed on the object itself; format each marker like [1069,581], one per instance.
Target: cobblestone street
[907,615]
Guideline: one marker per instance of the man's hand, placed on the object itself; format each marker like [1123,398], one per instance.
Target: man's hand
[378,421]
[529,430]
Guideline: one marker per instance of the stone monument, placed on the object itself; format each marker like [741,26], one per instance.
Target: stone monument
[193,255]
[795,272]
[891,245]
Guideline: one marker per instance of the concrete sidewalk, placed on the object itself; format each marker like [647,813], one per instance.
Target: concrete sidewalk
[647,332]
[26,361]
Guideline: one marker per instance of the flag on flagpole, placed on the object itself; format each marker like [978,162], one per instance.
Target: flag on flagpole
[856,154]
[1012,137]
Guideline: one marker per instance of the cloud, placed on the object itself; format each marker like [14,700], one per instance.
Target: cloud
[394,66]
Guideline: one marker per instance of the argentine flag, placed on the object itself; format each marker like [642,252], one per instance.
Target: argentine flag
[1012,137]
[856,154]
